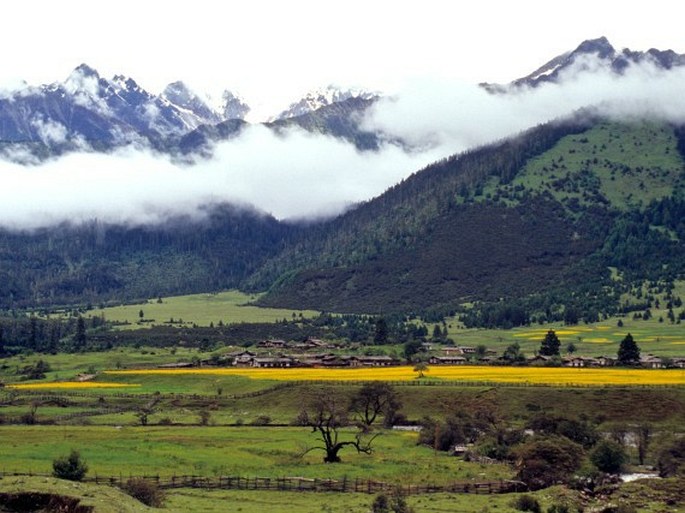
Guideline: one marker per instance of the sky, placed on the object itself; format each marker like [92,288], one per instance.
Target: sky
[429,56]
[273,51]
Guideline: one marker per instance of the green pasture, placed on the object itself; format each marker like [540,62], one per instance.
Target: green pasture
[65,366]
[648,496]
[289,502]
[201,309]
[231,451]
[647,150]
[598,339]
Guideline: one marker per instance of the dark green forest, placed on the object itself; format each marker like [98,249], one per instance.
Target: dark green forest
[95,262]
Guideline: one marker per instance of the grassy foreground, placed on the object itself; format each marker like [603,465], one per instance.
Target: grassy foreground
[645,496]
[104,498]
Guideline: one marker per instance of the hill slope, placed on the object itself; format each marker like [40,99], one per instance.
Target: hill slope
[96,262]
[535,213]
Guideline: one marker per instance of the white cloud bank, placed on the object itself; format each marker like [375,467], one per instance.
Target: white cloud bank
[297,175]
[459,116]
[302,175]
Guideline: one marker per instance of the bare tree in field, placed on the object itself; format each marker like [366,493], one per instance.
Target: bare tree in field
[374,399]
[327,416]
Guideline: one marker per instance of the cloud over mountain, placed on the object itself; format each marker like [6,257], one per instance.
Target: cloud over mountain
[295,174]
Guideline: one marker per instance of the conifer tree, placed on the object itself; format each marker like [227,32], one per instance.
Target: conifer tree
[550,344]
[628,351]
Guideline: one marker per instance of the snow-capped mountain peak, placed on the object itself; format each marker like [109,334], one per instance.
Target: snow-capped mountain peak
[233,106]
[595,54]
[322,97]
[195,109]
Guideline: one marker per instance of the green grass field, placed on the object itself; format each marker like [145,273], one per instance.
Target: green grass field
[200,309]
[232,451]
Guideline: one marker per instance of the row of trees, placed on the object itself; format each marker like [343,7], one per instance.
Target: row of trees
[32,333]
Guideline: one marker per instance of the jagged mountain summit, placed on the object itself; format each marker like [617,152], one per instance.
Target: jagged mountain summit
[233,106]
[318,98]
[191,105]
[87,111]
[599,53]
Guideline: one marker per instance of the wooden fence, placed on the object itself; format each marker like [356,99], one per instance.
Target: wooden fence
[302,484]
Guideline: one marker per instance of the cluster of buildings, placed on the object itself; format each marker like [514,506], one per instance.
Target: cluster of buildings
[313,352]
[289,357]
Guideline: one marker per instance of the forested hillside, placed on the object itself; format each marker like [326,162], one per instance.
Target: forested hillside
[546,213]
[95,262]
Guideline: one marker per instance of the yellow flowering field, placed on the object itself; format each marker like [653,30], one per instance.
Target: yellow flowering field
[68,385]
[523,375]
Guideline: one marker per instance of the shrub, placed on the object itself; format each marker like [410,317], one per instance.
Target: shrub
[527,503]
[621,508]
[547,461]
[262,420]
[380,504]
[147,492]
[608,456]
[394,504]
[559,508]
[204,417]
[671,459]
[70,467]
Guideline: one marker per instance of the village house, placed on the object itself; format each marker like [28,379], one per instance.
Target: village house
[579,361]
[605,361]
[651,362]
[538,359]
[376,361]
[272,344]
[270,362]
[310,360]
[310,343]
[239,358]
[458,350]
[447,360]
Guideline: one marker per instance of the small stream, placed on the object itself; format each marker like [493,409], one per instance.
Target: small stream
[634,476]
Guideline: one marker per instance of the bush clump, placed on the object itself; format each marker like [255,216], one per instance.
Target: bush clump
[70,467]
[527,503]
[147,492]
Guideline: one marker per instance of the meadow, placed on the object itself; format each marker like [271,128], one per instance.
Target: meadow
[196,309]
[246,451]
